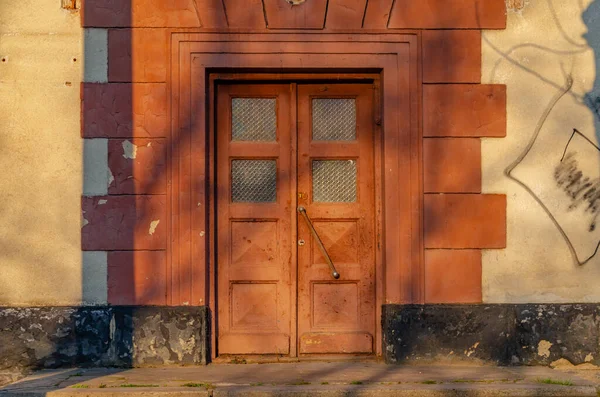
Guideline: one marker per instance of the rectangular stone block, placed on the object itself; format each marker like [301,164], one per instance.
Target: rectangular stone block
[140,13]
[138,55]
[452,165]
[546,333]
[451,56]
[452,276]
[137,166]
[280,15]
[415,333]
[123,110]
[137,278]
[448,14]
[377,14]
[465,221]
[464,110]
[113,223]
[345,14]
[105,336]
[246,13]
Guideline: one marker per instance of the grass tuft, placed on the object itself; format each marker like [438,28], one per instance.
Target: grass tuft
[429,382]
[324,383]
[80,386]
[550,381]
[102,386]
[256,384]
[136,385]
[356,382]
[206,385]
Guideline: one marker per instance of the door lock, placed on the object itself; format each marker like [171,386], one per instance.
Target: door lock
[301,242]
[302,196]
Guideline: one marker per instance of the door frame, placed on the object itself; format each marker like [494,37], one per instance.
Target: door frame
[199,59]
[294,80]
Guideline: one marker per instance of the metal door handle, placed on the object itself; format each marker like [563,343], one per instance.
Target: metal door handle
[334,272]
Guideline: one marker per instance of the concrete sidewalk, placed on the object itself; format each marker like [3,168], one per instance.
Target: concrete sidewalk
[308,379]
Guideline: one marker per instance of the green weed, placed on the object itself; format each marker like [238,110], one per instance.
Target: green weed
[550,381]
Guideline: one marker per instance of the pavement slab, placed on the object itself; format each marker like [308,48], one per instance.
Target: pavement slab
[308,379]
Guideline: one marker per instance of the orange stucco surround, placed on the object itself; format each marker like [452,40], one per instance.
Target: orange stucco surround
[400,279]
[155,220]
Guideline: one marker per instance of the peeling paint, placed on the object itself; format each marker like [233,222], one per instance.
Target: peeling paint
[202,233]
[153,226]
[102,202]
[83,220]
[129,150]
[472,349]
[589,358]
[544,348]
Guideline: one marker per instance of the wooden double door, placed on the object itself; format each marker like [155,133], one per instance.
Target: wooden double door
[295,203]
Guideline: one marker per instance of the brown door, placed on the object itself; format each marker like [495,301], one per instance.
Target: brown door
[295,204]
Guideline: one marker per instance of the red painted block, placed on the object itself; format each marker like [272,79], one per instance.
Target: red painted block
[448,14]
[345,14]
[111,223]
[123,110]
[377,14]
[138,55]
[452,165]
[140,13]
[137,278]
[282,15]
[138,166]
[245,13]
[452,276]
[465,221]
[451,56]
[474,110]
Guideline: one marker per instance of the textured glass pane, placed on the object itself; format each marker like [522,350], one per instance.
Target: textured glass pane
[253,181]
[334,181]
[333,119]
[253,119]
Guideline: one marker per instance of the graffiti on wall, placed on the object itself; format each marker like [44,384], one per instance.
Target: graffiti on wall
[560,165]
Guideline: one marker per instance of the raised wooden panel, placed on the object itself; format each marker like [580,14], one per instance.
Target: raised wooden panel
[254,243]
[340,239]
[339,342]
[249,343]
[335,305]
[282,15]
[253,306]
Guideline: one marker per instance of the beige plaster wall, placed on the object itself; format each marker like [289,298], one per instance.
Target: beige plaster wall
[541,50]
[41,47]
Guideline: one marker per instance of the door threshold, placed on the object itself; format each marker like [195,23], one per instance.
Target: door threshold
[269,359]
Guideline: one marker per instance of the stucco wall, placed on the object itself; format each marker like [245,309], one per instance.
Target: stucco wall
[41,47]
[537,56]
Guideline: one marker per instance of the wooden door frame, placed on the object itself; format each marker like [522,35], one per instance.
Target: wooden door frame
[198,58]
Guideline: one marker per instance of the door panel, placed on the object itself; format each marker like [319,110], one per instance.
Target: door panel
[254,228]
[336,187]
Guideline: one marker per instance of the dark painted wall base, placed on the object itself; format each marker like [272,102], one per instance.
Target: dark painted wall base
[527,334]
[32,338]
